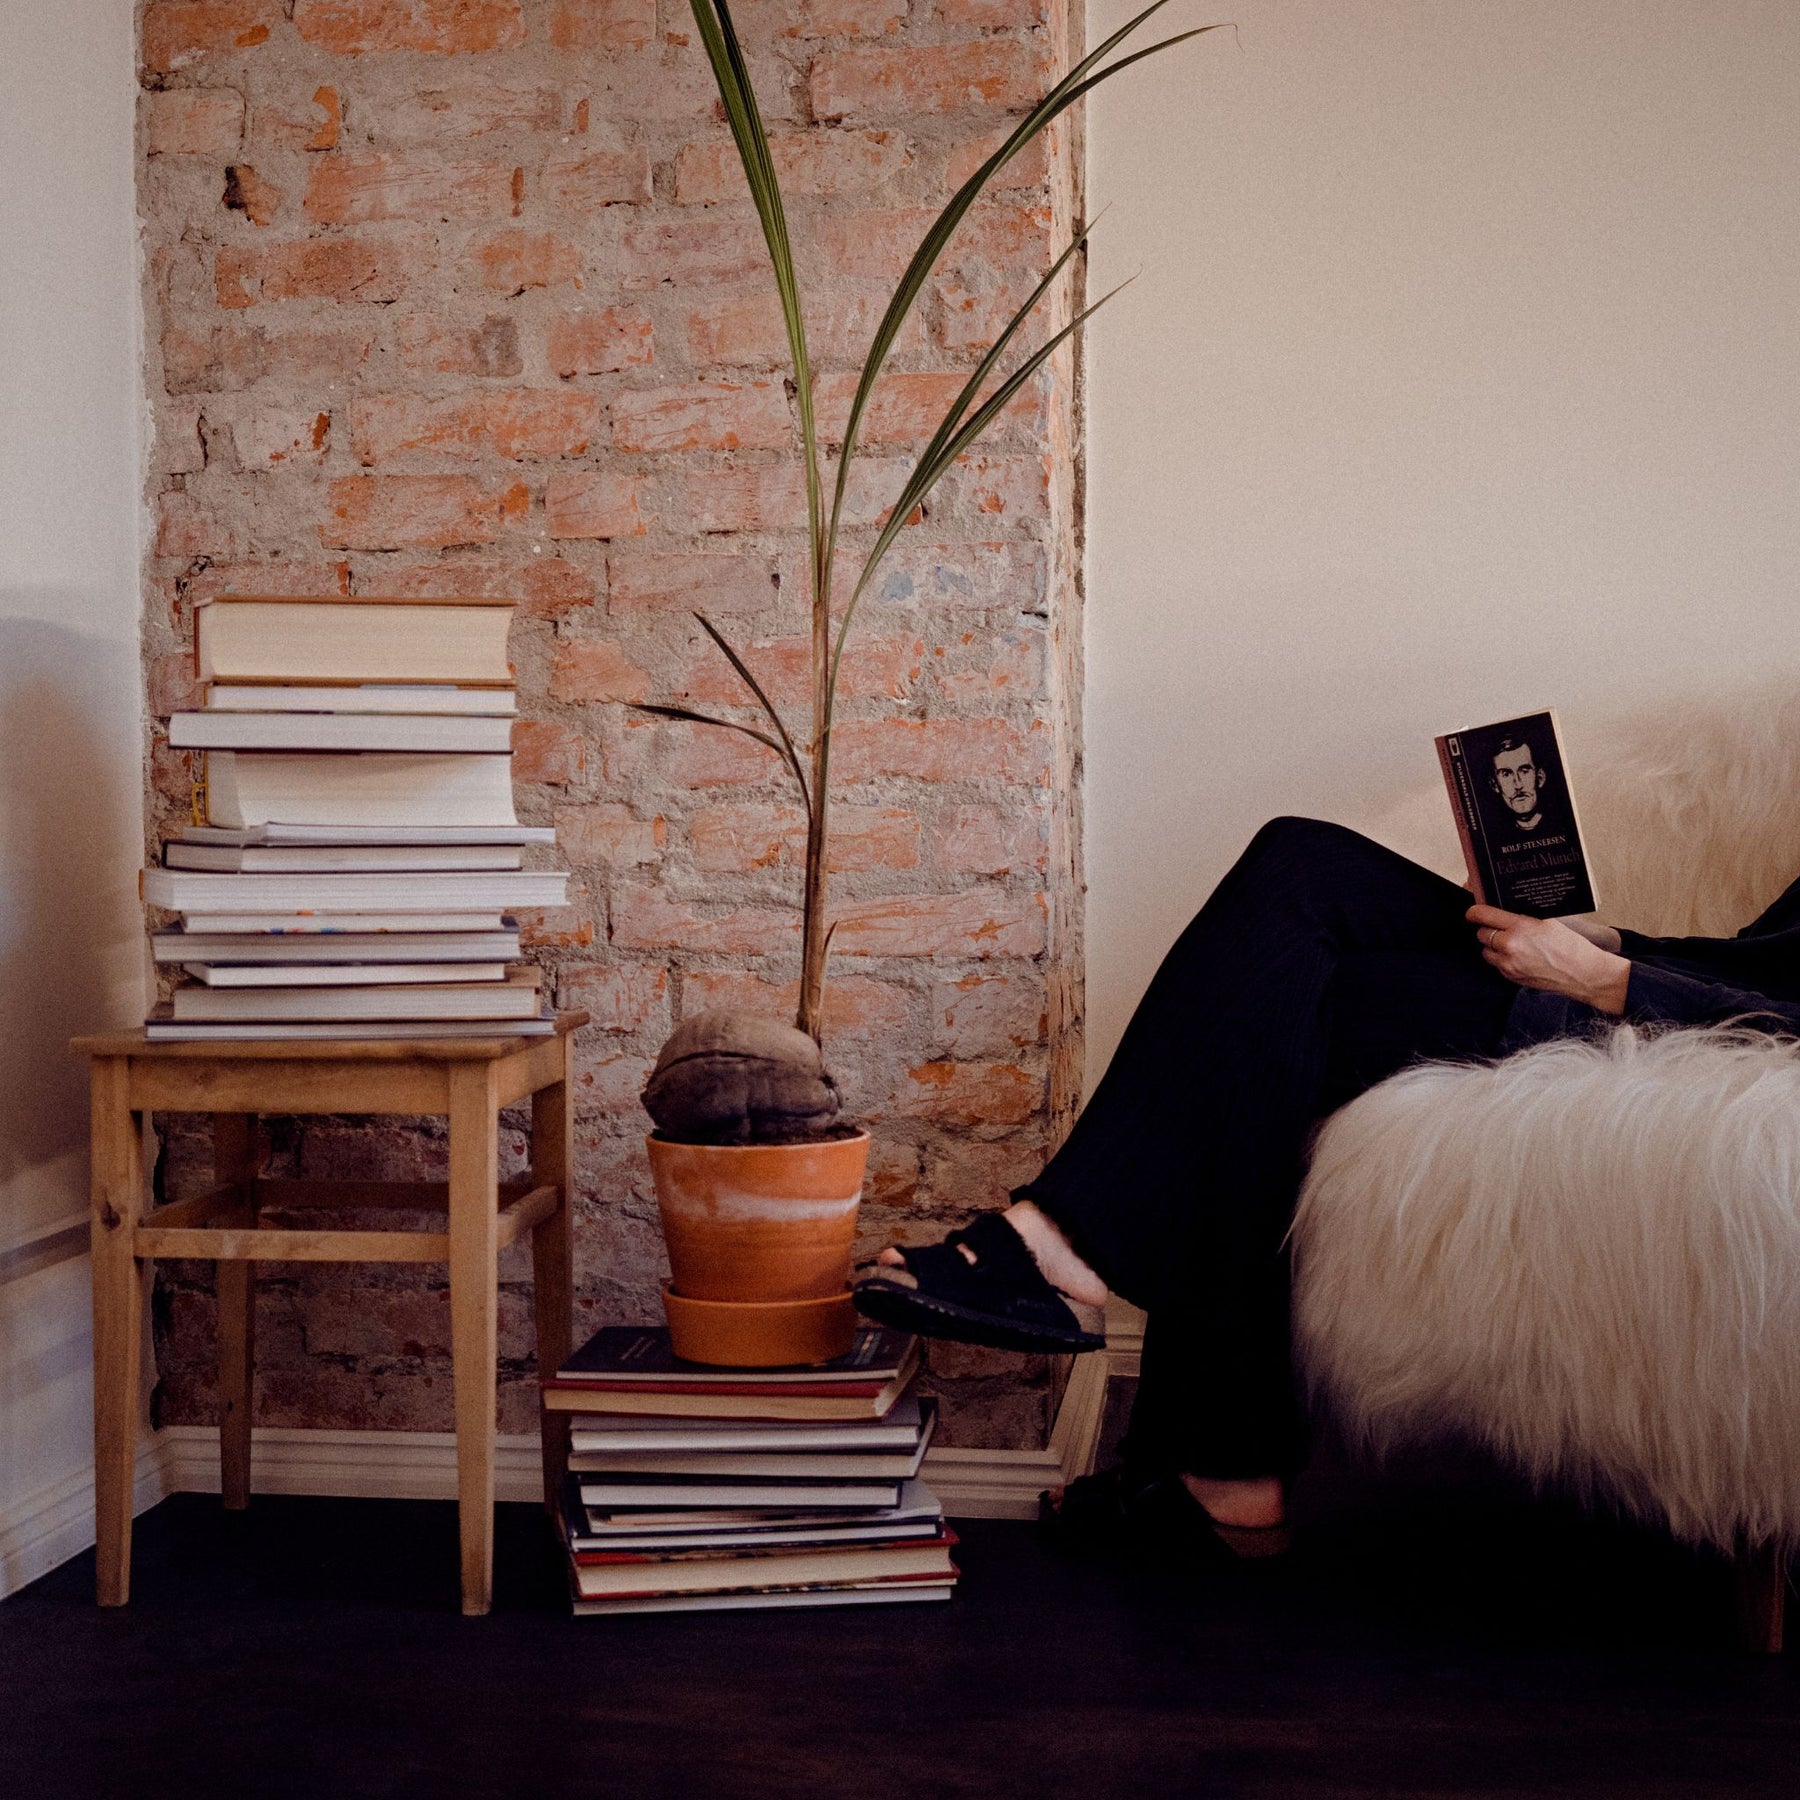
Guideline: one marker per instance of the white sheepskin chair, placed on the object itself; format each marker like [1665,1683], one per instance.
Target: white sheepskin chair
[1587,1257]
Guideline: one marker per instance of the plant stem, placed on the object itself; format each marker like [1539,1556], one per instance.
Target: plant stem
[808,1016]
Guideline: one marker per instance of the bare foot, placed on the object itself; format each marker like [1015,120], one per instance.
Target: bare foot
[1056,1260]
[1251,1503]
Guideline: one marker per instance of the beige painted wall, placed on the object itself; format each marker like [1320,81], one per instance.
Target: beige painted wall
[1462,376]
[71,932]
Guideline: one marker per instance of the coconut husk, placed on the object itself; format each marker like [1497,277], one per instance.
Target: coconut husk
[728,1077]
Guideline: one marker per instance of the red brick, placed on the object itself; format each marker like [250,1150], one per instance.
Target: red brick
[989,1015]
[1000,488]
[368,269]
[772,496]
[691,253]
[704,583]
[739,838]
[595,503]
[748,328]
[877,244]
[513,261]
[762,19]
[617,175]
[603,24]
[317,124]
[872,665]
[594,669]
[944,749]
[808,162]
[561,927]
[280,579]
[1030,168]
[646,918]
[990,840]
[237,356]
[981,924]
[470,109]
[703,415]
[1007,574]
[193,122]
[273,436]
[706,756]
[248,193]
[972,1094]
[908,405]
[599,342]
[173,686]
[856,1006]
[995,15]
[622,997]
[399,512]
[1000,73]
[413,185]
[441,27]
[192,524]
[986,668]
[427,343]
[177,33]
[517,423]
[543,588]
[546,753]
[612,1084]
[609,836]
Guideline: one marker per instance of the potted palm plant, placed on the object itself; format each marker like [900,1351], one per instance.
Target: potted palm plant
[757,1179]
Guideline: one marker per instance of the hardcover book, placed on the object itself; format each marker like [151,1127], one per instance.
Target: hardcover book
[1515,813]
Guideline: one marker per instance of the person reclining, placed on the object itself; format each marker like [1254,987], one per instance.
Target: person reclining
[1322,963]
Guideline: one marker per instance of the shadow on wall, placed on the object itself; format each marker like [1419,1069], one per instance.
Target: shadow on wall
[71,928]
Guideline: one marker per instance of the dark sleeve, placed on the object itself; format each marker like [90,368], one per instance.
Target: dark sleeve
[1661,994]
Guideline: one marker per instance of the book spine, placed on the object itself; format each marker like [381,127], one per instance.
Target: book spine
[1455,769]
[1587,862]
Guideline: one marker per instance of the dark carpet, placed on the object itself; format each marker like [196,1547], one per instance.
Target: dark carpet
[1447,1640]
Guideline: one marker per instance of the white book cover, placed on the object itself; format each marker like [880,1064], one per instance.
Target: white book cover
[352,641]
[517,997]
[263,975]
[327,925]
[159,1028]
[370,697]
[371,787]
[284,832]
[337,859]
[263,949]
[338,731]
[427,890]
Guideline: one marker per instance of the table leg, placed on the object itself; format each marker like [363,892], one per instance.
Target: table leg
[552,1259]
[475,1315]
[236,1159]
[118,1201]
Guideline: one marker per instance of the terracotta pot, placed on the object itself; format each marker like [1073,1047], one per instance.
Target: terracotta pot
[759,1226]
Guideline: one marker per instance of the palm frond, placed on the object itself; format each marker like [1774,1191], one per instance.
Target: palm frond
[1073,86]
[768,705]
[688,714]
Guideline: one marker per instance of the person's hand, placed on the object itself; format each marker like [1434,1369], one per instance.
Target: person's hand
[1551,956]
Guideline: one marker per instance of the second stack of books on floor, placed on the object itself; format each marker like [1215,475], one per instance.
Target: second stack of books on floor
[694,1488]
[355,856]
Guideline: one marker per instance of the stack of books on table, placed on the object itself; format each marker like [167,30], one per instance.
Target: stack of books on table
[693,1488]
[355,855]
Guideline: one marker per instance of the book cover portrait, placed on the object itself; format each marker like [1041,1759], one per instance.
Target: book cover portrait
[1510,788]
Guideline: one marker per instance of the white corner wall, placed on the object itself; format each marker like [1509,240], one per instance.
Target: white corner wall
[1461,376]
[71,732]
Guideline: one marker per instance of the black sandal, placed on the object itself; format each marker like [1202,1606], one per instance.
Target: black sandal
[1001,1299]
[1134,1510]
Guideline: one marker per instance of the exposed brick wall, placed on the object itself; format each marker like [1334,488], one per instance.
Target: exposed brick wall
[449,296]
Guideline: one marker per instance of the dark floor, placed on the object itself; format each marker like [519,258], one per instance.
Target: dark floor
[1441,1640]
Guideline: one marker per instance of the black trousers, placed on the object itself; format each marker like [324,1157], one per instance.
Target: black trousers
[1321,965]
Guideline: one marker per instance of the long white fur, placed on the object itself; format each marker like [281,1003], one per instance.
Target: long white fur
[1587,1256]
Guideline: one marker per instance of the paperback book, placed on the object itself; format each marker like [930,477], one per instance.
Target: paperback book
[1515,813]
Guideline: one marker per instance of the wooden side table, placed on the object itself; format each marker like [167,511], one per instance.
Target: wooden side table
[470,1080]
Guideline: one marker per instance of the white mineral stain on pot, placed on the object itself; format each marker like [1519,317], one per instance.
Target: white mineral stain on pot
[737,1206]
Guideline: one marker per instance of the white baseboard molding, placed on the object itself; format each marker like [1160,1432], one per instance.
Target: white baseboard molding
[48,1527]
[56,1523]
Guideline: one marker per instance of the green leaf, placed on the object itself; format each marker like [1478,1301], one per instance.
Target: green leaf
[699,718]
[1063,95]
[719,37]
[768,706]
